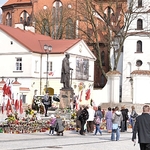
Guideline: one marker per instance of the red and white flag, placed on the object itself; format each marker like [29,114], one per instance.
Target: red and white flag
[88,93]
[21,107]
[51,73]
[17,105]
[7,88]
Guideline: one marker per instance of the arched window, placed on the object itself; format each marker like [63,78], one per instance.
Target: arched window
[139,24]
[57,19]
[69,29]
[45,27]
[103,58]
[139,47]
[102,81]
[139,3]
[108,14]
[25,18]
[8,19]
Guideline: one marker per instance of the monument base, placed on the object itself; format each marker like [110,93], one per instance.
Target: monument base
[65,96]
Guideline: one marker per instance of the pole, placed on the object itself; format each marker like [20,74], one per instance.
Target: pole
[47,73]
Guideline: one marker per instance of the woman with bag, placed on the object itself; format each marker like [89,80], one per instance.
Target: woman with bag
[116,122]
[97,120]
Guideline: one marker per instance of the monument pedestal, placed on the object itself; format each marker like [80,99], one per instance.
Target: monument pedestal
[65,96]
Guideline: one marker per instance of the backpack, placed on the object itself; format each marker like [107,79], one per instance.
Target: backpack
[97,120]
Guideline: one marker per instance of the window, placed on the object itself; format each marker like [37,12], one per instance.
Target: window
[56,19]
[139,47]
[102,81]
[107,14]
[103,58]
[69,29]
[139,63]
[139,24]
[23,97]
[8,20]
[19,64]
[25,18]
[139,3]
[36,66]
[45,27]
[50,66]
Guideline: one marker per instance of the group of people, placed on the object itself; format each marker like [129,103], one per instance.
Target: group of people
[90,120]
[56,125]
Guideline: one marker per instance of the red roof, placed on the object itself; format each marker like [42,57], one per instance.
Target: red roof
[35,42]
[10,2]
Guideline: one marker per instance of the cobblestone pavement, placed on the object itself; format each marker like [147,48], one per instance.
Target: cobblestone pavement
[70,141]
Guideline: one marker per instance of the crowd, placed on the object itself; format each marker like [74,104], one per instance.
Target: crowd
[89,120]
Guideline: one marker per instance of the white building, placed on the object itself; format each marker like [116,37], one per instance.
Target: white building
[24,61]
[136,57]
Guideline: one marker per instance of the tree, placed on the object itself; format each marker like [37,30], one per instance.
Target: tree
[105,25]
[56,22]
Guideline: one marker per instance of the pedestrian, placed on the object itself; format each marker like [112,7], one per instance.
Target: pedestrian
[142,127]
[133,116]
[116,122]
[83,118]
[52,124]
[46,102]
[90,121]
[78,122]
[59,125]
[98,115]
[125,118]
[108,119]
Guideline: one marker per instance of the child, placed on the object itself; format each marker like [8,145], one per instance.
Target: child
[52,124]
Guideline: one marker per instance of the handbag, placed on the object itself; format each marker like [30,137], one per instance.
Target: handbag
[115,126]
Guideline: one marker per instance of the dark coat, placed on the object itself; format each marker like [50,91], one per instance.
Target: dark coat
[84,115]
[142,127]
[60,124]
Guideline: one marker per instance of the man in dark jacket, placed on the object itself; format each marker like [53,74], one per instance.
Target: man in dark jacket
[83,118]
[142,127]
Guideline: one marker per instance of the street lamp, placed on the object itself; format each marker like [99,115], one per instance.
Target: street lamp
[47,49]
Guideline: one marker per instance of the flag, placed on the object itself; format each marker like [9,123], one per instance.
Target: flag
[7,89]
[17,105]
[3,106]
[88,93]
[8,106]
[20,107]
[80,97]
[51,73]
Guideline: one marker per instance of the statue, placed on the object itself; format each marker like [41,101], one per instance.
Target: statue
[65,72]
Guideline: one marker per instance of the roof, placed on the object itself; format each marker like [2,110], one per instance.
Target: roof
[140,72]
[10,2]
[35,42]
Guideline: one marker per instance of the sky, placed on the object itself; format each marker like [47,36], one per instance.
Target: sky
[2,2]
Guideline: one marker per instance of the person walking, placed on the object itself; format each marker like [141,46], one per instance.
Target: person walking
[99,114]
[108,119]
[142,127]
[90,121]
[133,116]
[46,102]
[125,118]
[116,122]
[83,118]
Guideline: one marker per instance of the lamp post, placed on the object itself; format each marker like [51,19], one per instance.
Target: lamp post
[47,49]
